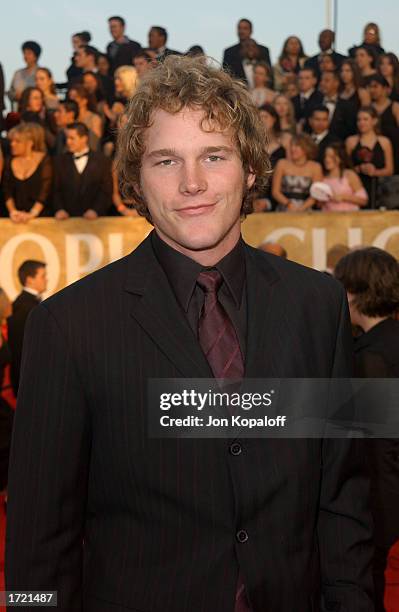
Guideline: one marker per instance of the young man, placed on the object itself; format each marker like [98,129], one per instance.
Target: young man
[326,45]
[319,130]
[66,113]
[82,178]
[157,39]
[33,278]
[116,520]
[308,97]
[339,111]
[232,56]
[121,50]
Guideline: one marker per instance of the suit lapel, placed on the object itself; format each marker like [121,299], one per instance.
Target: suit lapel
[266,305]
[157,311]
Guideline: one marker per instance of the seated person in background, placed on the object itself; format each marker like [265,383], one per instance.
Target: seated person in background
[83,180]
[33,278]
[339,116]
[27,175]
[285,110]
[86,58]
[278,144]
[250,54]
[366,60]
[232,56]
[143,62]
[261,92]
[388,113]
[78,40]
[157,39]
[122,208]
[334,255]
[308,97]
[66,113]
[352,92]
[32,109]
[103,65]
[347,191]
[290,62]
[326,43]
[44,81]
[371,39]
[319,130]
[25,77]
[370,153]
[126,81]
[293,178]
[388,66]
[87,114]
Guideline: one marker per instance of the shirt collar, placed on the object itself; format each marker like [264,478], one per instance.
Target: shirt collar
[31,291]
[307,94]
[182,271]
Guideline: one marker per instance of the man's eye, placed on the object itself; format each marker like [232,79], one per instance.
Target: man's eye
[214,158]
[165,162]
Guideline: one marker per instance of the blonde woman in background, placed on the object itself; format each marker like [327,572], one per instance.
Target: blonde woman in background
[28,174]
[126,81]
[285,110]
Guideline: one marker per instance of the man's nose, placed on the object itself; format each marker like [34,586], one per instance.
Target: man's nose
[193,179]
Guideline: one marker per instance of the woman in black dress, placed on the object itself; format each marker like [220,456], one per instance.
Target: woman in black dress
[371,279]
[371,154]
[352,92]
[388,66]
[278,144]
[27,175]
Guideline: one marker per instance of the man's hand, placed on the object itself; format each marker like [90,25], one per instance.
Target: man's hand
[90,214]
[61,215]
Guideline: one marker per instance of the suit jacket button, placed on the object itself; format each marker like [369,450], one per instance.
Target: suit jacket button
[235,448]
[242,536]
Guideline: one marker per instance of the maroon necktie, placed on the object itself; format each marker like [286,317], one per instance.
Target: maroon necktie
[219,342]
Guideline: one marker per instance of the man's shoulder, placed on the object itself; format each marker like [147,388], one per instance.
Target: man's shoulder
[233,50]
[297,277]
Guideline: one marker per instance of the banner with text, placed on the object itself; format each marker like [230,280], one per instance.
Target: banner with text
[75,247]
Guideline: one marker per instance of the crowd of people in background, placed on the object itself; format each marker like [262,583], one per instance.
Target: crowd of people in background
[332,122]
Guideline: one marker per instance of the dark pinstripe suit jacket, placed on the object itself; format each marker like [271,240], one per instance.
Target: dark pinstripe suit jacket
[159,517]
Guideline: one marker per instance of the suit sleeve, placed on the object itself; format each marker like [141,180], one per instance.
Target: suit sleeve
[345,524]
[48,471]
[103,199]
[58,198]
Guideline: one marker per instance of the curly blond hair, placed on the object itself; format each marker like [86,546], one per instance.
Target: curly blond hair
[190,82]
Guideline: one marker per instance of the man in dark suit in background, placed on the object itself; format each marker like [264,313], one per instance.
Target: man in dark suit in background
[233,56]
[33,278]
[121,50]
[308,98]
[157,39]
[326,44]
[340,119]
[82,178]
[66,113]
[319,131]
[116,520]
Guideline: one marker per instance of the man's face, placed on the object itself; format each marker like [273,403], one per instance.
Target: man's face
[39,281]
[29,57]
[63,117]
[116,29]
[376,91]
[329,84]
[155,40]
[306,81]
[81,59]
[319,122]
[74,142]
[244,30]
[193,183]
[141,65]
[326,40]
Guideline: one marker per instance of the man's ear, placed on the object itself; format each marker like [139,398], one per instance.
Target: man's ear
[251,178]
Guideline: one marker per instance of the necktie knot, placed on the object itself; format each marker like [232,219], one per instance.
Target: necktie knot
[210,281]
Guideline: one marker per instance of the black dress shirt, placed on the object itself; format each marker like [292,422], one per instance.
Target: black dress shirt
[182,273]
